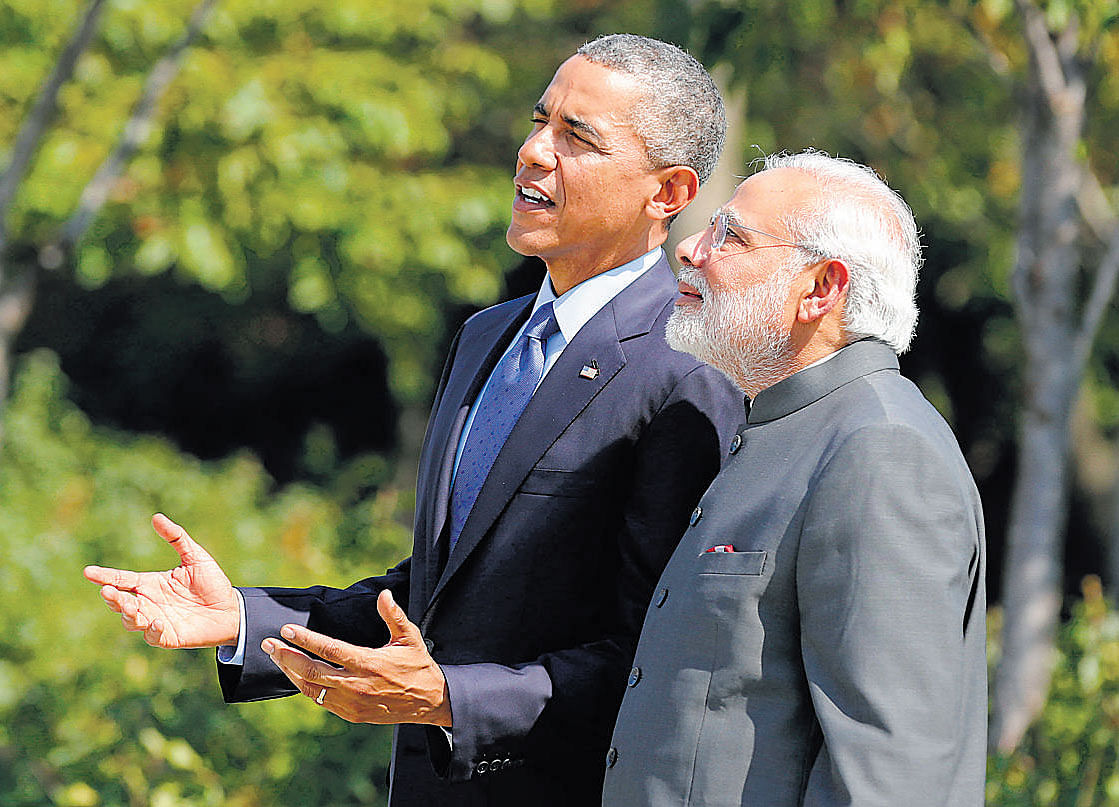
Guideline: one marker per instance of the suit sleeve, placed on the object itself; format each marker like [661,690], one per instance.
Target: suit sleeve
[886,576]
[341,613]
[500,712]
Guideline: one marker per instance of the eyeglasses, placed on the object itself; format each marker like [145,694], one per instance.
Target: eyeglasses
[721,224]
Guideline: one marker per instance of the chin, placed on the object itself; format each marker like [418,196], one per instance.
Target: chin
[686,332]
[524,242]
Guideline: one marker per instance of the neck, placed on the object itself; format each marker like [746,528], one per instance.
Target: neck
[566,274]
[777,371]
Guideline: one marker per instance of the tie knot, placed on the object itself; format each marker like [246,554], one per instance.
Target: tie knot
[542,324]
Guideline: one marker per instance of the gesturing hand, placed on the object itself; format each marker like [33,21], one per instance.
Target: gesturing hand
[192,605]
[397,683]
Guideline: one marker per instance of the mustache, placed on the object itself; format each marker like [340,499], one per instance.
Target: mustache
[693,278]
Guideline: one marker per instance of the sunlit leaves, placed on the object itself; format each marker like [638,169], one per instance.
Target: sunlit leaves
[88,713]
[1071,757]
[345,121]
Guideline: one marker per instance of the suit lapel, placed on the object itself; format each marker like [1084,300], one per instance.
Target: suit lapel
[479,350]
[561,397]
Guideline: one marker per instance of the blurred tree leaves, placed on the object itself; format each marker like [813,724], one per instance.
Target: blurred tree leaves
[321,139]
[1070,758]
[90,715]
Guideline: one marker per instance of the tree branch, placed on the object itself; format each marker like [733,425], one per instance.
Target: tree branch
[1050,70]
[1101,219]
[42,111]
[136,130]
[996,58]
[1095,207]
[1103,289]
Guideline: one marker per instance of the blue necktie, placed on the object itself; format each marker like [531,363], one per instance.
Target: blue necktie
[510,388]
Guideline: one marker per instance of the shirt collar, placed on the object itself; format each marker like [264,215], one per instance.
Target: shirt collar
[575,307]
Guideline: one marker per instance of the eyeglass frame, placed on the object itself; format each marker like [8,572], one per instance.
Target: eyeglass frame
[721,225]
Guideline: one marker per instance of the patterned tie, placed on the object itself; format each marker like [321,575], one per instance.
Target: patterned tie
[510,388]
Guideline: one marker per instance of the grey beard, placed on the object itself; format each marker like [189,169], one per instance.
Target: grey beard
[738,334]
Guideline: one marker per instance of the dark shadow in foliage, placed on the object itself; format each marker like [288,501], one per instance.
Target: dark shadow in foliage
[156,355]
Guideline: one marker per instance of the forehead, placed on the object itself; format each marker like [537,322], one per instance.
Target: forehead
[592,93]
[763,200]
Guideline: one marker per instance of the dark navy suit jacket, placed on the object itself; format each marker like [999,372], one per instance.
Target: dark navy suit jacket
[534,615]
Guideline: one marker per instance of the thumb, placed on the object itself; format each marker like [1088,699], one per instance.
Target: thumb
[401,629]
[190,552]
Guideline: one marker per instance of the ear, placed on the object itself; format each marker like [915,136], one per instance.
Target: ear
[830,280]
[679,185]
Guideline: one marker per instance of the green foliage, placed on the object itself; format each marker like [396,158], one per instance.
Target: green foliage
[89,714]
[320,142]
[1070,757]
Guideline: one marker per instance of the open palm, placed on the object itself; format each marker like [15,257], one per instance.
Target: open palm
[192,605]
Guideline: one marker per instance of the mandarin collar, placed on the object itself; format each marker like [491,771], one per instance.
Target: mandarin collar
[812,383]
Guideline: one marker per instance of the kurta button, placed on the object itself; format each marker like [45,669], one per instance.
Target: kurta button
[736,444]
[634,676]
[697,514]
[611,757]
[662,595]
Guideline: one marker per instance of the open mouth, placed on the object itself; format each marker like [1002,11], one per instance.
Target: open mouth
[532,198]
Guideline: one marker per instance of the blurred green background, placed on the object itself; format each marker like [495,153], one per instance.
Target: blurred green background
[235,238]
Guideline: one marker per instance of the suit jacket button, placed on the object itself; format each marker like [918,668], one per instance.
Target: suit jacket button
[736,444]
[661,597]
[697,514]
[430,645]
[611,757]
[483,766]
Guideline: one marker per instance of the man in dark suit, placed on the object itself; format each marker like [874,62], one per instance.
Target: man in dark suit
[818,637]
[567,445]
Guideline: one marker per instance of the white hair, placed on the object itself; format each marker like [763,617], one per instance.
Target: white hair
[860,221]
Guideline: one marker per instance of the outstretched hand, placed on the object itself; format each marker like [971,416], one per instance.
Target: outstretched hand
[397,683]
[192,605]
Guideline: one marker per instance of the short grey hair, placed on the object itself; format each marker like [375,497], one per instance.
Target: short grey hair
[681,118]
[861,221]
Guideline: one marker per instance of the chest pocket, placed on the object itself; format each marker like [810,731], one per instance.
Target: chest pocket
[554,482]
[751,563]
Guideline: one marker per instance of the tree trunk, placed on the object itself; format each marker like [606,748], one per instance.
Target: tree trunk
[1046,301]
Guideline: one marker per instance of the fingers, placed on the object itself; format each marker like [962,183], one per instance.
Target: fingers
[317,690]
[127,606]
[188,550]
[117,578]
[333,650]
[401,629]
[303,671]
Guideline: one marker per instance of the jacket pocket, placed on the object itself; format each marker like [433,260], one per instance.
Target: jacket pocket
[554,482]
[751,562]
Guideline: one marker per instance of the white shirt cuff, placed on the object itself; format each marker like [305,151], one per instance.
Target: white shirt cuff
[227,653]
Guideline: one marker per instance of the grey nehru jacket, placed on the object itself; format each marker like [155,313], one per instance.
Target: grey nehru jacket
[837,655]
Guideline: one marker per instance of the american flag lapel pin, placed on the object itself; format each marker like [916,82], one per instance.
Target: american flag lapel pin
[589,371]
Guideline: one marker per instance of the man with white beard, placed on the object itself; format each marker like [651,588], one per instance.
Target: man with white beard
[818,636]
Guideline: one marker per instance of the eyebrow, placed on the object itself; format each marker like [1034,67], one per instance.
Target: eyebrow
[732,217]
[747,234]
[580,126]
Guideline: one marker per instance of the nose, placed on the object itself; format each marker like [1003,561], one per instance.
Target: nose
[538,149]
[692,250]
